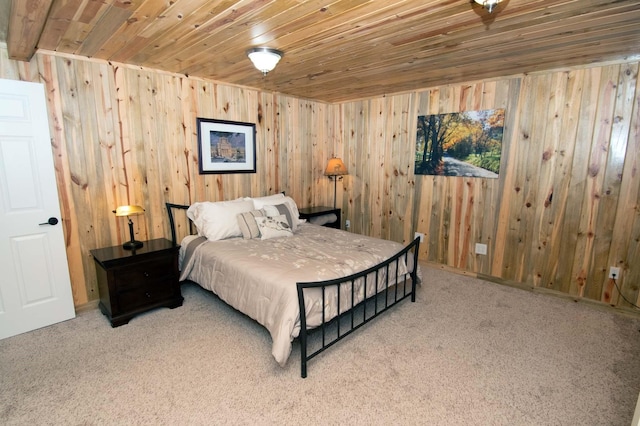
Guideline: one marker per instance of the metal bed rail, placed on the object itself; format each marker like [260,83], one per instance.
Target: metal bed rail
[390,287]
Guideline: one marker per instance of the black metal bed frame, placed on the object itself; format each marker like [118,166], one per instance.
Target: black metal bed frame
[395,288]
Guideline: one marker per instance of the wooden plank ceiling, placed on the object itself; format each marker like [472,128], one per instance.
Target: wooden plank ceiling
[335,50]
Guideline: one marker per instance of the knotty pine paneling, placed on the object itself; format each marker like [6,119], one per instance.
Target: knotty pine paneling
[563,210]
[565,207]
[127,135]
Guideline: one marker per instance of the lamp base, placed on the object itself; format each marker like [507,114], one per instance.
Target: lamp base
[132,245]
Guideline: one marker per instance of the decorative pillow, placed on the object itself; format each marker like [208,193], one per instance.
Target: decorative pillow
[248,224]
[272,200]
[273,227]
[267,200]
[281,209]
[217,220]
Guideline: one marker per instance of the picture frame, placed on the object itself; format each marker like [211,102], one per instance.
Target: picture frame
[462,144]
[226,146]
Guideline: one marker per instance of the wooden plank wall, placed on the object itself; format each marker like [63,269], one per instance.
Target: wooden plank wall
[565,207]
[563,210]
[127,135]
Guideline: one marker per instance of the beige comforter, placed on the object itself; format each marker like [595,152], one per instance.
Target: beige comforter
[259,277]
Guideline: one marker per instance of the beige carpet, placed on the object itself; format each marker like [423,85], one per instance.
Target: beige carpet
[467,352]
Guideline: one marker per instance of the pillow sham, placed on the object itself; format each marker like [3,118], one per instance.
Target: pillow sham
[267,199]
[273,227]
[272,200]
[281,209]
[248,225]
[217,220]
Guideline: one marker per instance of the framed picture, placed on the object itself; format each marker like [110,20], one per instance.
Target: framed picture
[226,146]
[465,144]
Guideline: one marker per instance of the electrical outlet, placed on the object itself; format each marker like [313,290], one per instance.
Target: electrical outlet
[347,224]
[614,272]
[481,248]
[420,235]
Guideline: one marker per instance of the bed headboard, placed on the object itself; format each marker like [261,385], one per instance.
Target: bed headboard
[178,221]
[180,215]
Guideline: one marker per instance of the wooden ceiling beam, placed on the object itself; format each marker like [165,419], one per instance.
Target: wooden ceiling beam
[26,22]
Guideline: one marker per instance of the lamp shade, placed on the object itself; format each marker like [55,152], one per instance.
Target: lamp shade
[128,210]
[264,59]
[335,167]
[132,244]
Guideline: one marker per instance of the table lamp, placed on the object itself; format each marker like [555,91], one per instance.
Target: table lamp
[130,211]
[335,170]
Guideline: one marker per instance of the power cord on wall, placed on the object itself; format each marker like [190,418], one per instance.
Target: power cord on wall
[620,293]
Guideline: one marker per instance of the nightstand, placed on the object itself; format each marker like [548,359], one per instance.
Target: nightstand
[134,281]
[315,212]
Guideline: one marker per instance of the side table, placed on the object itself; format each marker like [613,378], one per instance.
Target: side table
[135,281]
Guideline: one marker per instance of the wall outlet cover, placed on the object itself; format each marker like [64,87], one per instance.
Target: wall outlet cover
[481,248]
[614,272]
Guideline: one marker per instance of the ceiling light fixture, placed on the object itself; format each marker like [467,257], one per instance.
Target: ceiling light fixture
[264,59]
[488,4]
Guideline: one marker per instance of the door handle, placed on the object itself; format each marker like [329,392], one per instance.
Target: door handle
[51,221]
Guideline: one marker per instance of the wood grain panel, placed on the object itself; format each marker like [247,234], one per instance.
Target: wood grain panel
[81,282]
[127,135]
[544,220]
[563,209]
[27,20]
[335,51]
[590,209]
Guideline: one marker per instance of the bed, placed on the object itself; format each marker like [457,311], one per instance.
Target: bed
[308,279]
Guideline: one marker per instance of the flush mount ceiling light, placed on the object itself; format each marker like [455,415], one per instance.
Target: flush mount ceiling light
[264,59]
[488,4]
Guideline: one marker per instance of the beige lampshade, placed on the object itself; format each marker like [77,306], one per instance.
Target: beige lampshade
[335,167]
[128,210]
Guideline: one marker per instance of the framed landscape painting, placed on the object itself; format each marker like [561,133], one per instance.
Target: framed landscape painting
[460,144]
[226,146]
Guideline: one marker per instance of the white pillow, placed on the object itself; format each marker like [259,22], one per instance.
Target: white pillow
[276,199]
[218,221]
[268,200]
[273,227]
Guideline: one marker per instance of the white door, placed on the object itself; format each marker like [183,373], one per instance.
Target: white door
[35,289]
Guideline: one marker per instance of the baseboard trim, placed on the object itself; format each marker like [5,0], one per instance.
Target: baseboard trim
[595,303]
[89,306]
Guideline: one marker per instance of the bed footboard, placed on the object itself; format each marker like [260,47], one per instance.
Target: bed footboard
[388,286]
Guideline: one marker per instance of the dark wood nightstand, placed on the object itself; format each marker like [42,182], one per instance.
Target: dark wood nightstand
[135,281]
[311,212]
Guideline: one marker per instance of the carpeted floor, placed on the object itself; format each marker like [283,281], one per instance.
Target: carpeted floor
[467,352]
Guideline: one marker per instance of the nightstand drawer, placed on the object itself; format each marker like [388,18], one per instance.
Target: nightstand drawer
[143,296]
[144,274]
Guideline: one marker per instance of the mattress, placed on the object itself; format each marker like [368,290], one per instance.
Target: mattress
[258,277]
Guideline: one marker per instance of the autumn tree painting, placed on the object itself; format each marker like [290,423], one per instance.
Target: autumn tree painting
[460,144]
